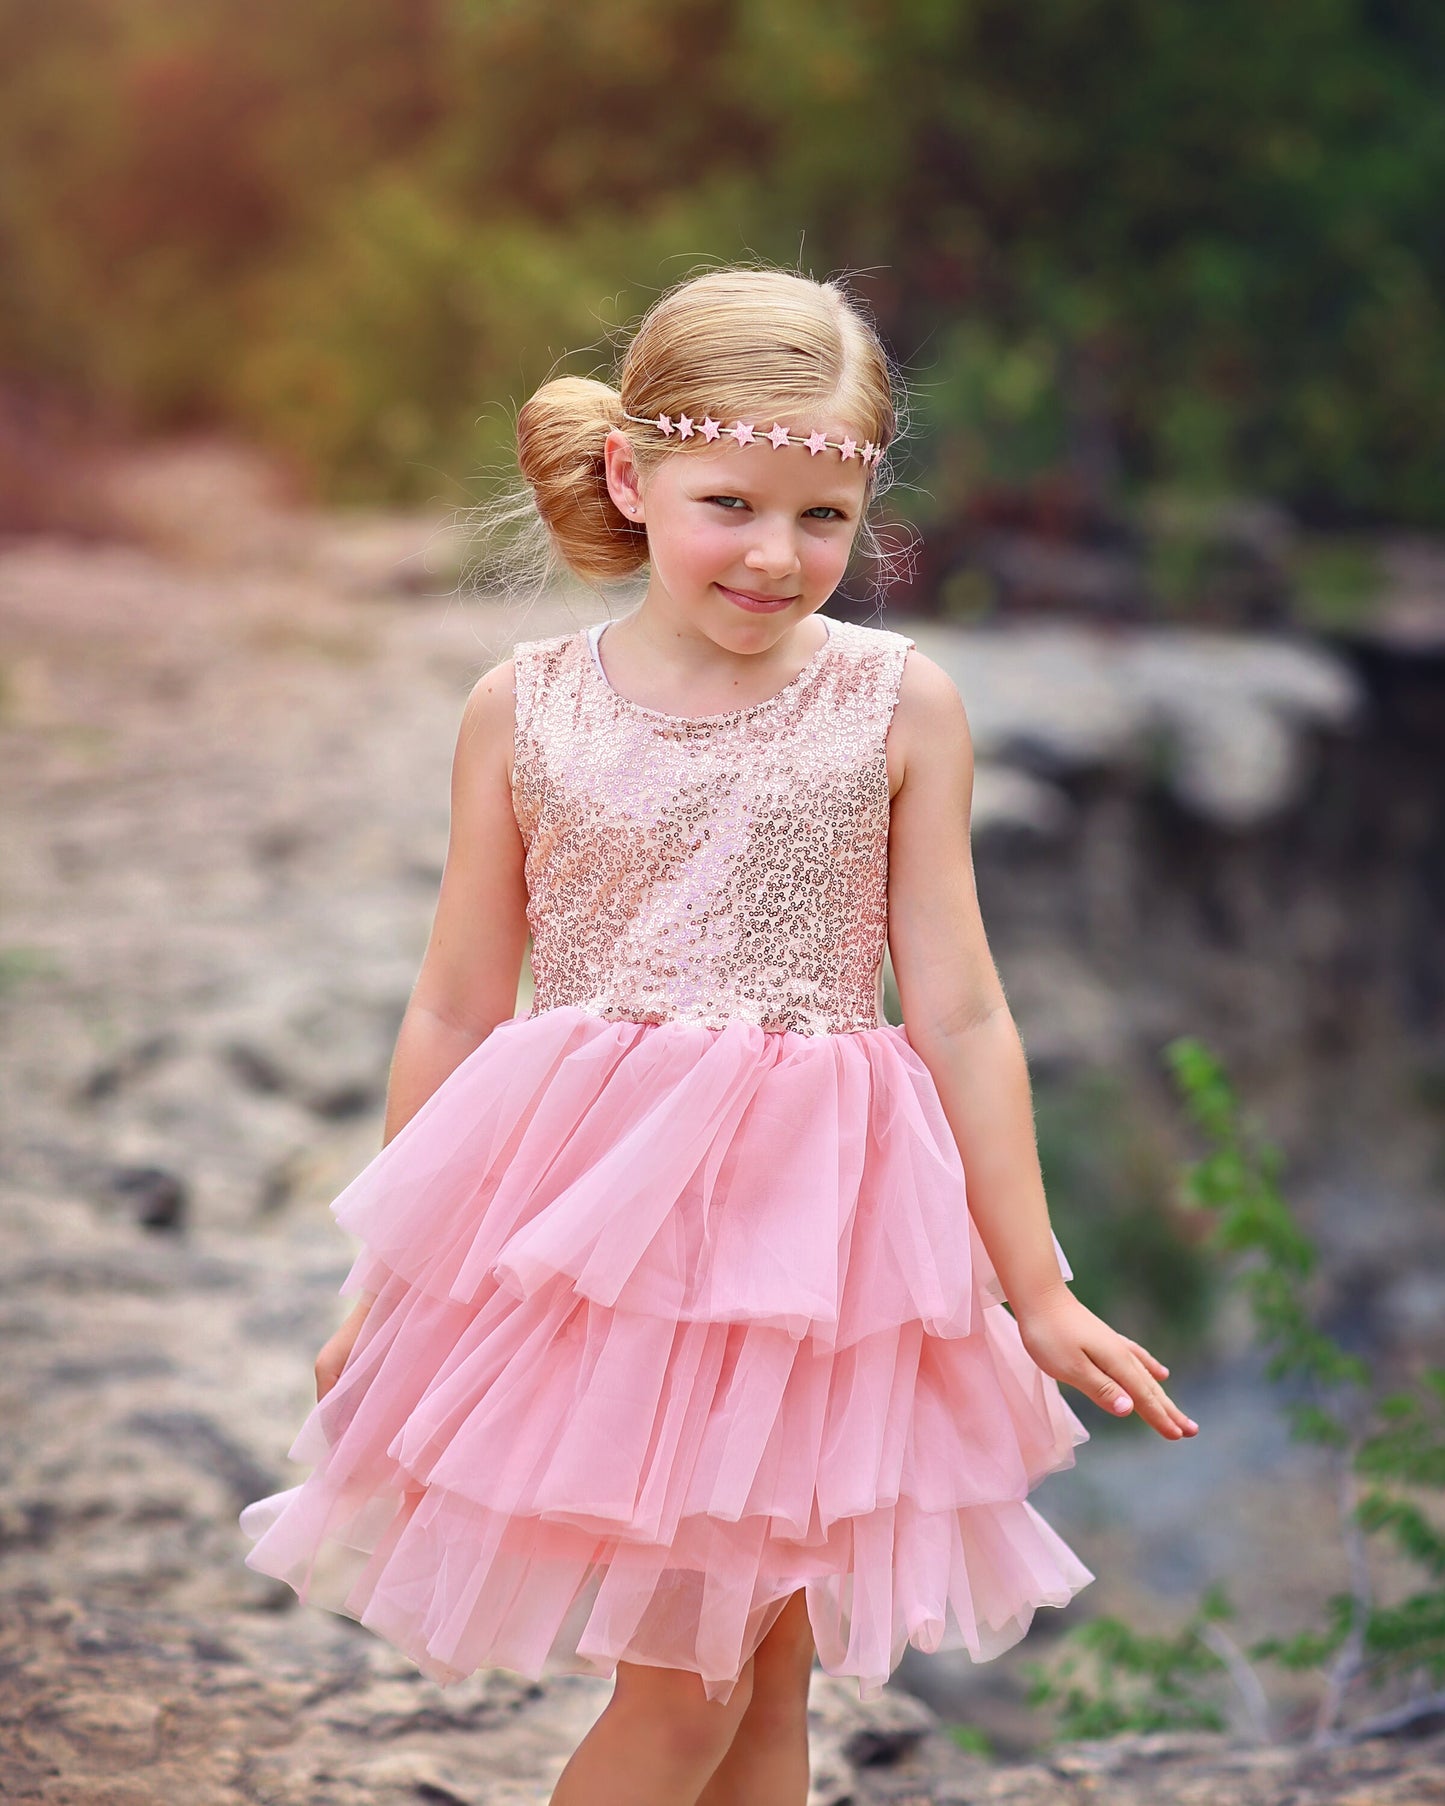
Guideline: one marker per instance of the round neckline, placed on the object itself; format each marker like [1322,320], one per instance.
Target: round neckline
[594,634]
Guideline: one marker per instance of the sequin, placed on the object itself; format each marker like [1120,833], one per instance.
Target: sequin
[712,868]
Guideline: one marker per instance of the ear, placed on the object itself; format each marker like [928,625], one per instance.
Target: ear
[623,478]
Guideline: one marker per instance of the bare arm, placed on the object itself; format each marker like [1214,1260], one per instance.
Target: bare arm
[959,1023]
[468,978]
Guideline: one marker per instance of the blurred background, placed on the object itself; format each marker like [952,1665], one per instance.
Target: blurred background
[1167,289]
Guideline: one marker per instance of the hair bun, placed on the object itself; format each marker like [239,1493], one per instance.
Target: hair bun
[561,430]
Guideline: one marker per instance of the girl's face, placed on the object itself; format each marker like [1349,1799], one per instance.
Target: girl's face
[744,541]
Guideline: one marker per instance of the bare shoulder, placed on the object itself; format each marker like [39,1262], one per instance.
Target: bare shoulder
[926,691]
[488,717]
[493,695]
[929,721]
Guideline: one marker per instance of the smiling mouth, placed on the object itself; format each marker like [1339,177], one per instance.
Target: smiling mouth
[749,596]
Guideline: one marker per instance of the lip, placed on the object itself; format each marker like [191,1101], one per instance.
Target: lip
[758,605]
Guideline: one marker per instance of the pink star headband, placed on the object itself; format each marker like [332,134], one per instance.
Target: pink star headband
[743,431]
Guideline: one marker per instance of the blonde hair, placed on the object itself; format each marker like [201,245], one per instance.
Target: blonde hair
[741,342]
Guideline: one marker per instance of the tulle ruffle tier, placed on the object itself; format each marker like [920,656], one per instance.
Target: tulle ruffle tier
[671,1321]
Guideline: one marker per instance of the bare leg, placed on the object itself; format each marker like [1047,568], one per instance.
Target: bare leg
[656,1743]
[767,1761]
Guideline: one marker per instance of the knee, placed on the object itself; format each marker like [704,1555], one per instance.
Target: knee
[671,1710]
[778,1710]
[695,1729]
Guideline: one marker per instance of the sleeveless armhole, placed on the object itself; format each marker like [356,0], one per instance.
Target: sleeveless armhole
[524,687]
[902,645]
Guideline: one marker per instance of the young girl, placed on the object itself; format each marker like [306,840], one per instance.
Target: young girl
[680,1351]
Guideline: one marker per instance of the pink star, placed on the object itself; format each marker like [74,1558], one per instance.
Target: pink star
[870,452]
[848,447]
[664,422]
[684,427]
[742,431]
[779,436]
[709,428]
[817,442]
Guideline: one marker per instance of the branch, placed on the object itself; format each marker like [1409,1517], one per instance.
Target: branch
[1350,1658]
[1246,1681]
[1389,1724]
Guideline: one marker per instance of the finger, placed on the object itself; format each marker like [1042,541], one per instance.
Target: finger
[1152,1362]
[1104,1390]
[1126,1377]
[1152,1401]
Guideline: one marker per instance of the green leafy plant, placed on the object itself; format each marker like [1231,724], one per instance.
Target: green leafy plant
[1388,1454]
[1112,1677]
[1109,1173]
[970,1738]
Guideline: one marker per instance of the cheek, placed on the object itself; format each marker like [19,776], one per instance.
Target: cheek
[826,559]
[699,545]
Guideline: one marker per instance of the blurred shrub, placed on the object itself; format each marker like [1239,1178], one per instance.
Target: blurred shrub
[1386,1450]
[1109,1181]
[1158,243]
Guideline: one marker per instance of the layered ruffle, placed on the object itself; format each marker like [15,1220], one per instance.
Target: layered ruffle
[671,1321]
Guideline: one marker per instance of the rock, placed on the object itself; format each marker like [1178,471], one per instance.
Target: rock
[1223,722]
[207,1446]
[1111,1755]
[331,1095]
[1408,616]
[1017,807]
[156,1198]
[107,1079]
[846,1735]
[1238,715]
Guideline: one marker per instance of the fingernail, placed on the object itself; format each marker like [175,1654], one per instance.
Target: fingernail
[1121,1404]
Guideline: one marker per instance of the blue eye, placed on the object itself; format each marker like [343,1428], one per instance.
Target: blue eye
[732,503]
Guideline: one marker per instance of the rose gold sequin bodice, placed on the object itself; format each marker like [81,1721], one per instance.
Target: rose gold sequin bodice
[712,868]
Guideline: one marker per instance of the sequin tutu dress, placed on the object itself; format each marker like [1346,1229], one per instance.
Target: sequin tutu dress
[679,1305]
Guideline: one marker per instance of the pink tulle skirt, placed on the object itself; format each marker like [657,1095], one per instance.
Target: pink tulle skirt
[672,1321]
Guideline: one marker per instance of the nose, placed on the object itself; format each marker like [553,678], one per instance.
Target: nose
[774,553]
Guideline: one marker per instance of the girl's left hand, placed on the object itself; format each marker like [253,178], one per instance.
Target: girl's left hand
[1072,1345]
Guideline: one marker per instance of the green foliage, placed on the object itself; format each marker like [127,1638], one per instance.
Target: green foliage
[1389,1449]
[19,964]
[1311,1648]
[1239,1181]
[970,1738]
[1410,1444]
[1108,1182]
[1198,241]
[1112,1678]
[1338,579]
[991,404]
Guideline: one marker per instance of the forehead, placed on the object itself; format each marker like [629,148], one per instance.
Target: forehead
[789,473]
